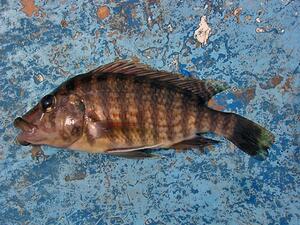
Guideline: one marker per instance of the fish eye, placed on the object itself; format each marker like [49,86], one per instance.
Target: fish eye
[48,103]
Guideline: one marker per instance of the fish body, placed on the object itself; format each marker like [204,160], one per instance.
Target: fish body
[127,107]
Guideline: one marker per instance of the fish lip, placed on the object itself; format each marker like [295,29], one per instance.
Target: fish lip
[22,142]
[25,138]
[23,124]
[27,130]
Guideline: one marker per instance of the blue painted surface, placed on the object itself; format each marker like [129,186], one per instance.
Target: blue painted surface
[222,186]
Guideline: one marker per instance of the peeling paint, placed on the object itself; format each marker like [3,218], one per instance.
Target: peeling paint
[235,13]
[246,95]
[29,8]
[64,23]
[103,12]
[214,105]
[272,83]
[287,85]
[203,32]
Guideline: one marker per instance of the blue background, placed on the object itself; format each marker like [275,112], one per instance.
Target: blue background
[60,39]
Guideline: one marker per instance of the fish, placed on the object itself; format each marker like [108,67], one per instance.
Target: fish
[125,108]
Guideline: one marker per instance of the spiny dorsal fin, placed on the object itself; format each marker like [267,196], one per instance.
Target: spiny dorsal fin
[204,89]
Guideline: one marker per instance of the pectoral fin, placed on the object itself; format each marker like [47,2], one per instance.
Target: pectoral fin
[98,129]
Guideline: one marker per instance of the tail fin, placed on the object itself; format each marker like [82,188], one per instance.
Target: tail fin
[245,134]
[251,137]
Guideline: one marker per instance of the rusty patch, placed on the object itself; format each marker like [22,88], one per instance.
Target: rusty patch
[152,2]
[271,83]
[246,95]
[29,8]
[235,13]
[276,80]
[287,85]
[103,12]
[214,105]
[127,13]
[64,23]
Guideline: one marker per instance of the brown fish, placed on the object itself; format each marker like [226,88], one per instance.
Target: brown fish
[124,107]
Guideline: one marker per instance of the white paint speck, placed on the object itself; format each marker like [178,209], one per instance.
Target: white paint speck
[203,32]
[260,30]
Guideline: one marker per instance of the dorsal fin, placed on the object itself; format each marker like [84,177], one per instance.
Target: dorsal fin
[204,89]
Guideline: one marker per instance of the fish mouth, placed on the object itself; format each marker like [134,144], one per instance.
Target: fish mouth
[27,131]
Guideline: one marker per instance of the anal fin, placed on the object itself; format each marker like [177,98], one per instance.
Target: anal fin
[134,154]
[197,142]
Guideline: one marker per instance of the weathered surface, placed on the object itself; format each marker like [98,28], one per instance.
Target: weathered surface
[253,45]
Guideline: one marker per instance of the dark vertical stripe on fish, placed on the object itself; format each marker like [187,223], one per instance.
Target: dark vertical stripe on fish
[103,99]
[199,117]
[170,99]
[85,87]
[103,95]
[140,111]
[214,120]
[184,115]
[154,115]
[121,88]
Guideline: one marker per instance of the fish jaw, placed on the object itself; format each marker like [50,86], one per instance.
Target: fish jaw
[29,132]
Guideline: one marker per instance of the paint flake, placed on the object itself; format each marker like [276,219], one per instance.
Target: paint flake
[203,32]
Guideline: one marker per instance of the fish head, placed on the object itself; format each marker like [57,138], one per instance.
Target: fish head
[57,120]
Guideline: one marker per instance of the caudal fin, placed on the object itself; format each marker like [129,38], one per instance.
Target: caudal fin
[250,137]
[245,134]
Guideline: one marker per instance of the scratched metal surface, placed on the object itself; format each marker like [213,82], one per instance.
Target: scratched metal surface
[45,42]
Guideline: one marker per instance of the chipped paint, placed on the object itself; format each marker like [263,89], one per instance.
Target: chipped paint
[64,23]
[29,8]
[261,29]
[272,83]
[288,84]
[214,105]
[103,12]
[203,32]
[38,78]
[235,13]
[245,95]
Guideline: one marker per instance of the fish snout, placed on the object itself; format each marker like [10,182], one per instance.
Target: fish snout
[23,124]
[25,127]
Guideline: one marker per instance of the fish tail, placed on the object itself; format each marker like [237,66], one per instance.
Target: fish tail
[250,137]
